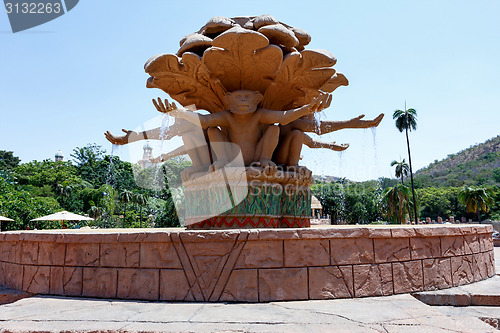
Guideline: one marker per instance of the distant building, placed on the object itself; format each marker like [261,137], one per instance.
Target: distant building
[59,156]
[147,156]
[316,207]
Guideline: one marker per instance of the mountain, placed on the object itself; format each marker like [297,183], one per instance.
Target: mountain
[478,165]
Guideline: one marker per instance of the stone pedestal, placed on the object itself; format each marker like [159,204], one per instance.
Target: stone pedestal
[256,265]
[248,198]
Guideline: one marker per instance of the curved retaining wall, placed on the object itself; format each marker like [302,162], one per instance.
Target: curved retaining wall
[256,265]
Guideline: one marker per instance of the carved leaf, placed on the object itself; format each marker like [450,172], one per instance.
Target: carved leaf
[186,80]
[243,59]
[337,80]
[299,80]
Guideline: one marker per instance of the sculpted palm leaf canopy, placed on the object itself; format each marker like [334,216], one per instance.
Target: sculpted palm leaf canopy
[247,54]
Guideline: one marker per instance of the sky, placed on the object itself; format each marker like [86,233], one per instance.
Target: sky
[66,82]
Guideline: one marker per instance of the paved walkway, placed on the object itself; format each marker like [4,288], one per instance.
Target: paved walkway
[400,313]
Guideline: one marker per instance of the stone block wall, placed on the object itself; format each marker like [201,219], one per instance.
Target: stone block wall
[257,265]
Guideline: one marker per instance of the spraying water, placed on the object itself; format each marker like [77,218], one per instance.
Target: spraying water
[374,141]
[110,178]
[318,116]
[341,154]
[165,125]
[105,196]
[158,177]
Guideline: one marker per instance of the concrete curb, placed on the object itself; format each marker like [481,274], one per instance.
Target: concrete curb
[483,293]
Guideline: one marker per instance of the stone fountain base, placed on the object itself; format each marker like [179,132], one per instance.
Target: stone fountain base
[250,197]
[258,265]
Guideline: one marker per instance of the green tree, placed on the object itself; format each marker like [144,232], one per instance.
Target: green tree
[331,196]
[402,169]
[141,200]
[406,121]
[113,171]
[22,207]
[95,212]
[387,182]
[166,215]
[358,212]
[395,202]
[476,199]
[107,201]
[54,174]
[496,175]
[440,201]
[8,161]
[125,197]
[86,160]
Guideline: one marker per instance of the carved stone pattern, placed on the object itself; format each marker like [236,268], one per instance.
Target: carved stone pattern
[245,265]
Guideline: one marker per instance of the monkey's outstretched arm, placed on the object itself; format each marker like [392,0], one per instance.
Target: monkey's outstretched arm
[165,157]
[152,134]
[327,126]
[312,143]
[205,121]
[285,117]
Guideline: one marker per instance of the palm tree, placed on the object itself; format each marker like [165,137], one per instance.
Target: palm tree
[402,169]
[141,200]
[125,196]
[476,199]
[95,212]
[407,120]
[396,202]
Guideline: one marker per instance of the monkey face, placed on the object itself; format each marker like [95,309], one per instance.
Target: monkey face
[243,101]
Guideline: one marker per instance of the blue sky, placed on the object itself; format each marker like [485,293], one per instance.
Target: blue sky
[64,83]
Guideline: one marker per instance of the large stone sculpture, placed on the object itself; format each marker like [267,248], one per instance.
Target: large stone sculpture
[261,88]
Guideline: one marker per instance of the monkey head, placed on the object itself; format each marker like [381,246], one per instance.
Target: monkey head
[243,101]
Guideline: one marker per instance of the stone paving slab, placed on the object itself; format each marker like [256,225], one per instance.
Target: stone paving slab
[483,293]
[489,314]
[400,313]
[11,295]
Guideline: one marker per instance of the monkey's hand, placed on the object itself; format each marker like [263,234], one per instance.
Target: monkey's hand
[359,123]
[340,147]
[155,160]
[319,103]
[118,140]
[169,108]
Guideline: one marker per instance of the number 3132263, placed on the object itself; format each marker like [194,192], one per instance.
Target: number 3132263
[33,8]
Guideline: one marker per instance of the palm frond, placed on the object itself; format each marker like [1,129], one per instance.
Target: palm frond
[405,119]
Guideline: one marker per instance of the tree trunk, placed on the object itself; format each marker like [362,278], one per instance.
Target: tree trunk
[399,212]
[124,215]
[411,177]
[140,217]
[478,215]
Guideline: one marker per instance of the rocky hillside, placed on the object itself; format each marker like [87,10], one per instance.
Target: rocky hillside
[476,165]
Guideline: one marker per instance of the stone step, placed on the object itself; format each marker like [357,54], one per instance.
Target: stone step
[11,295]
[483,293]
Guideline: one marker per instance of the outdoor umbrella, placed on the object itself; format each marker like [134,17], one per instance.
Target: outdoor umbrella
[63,216]
[6,219]
[3,218]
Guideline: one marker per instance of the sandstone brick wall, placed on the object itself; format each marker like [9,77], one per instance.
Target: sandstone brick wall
[246,265]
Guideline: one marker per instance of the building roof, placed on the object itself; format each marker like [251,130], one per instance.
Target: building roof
[315,204]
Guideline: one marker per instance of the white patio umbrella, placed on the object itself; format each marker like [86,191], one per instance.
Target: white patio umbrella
[6,219]
[64,216]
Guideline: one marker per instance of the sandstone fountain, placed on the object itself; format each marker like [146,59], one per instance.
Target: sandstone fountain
[247,92]
[262,89]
